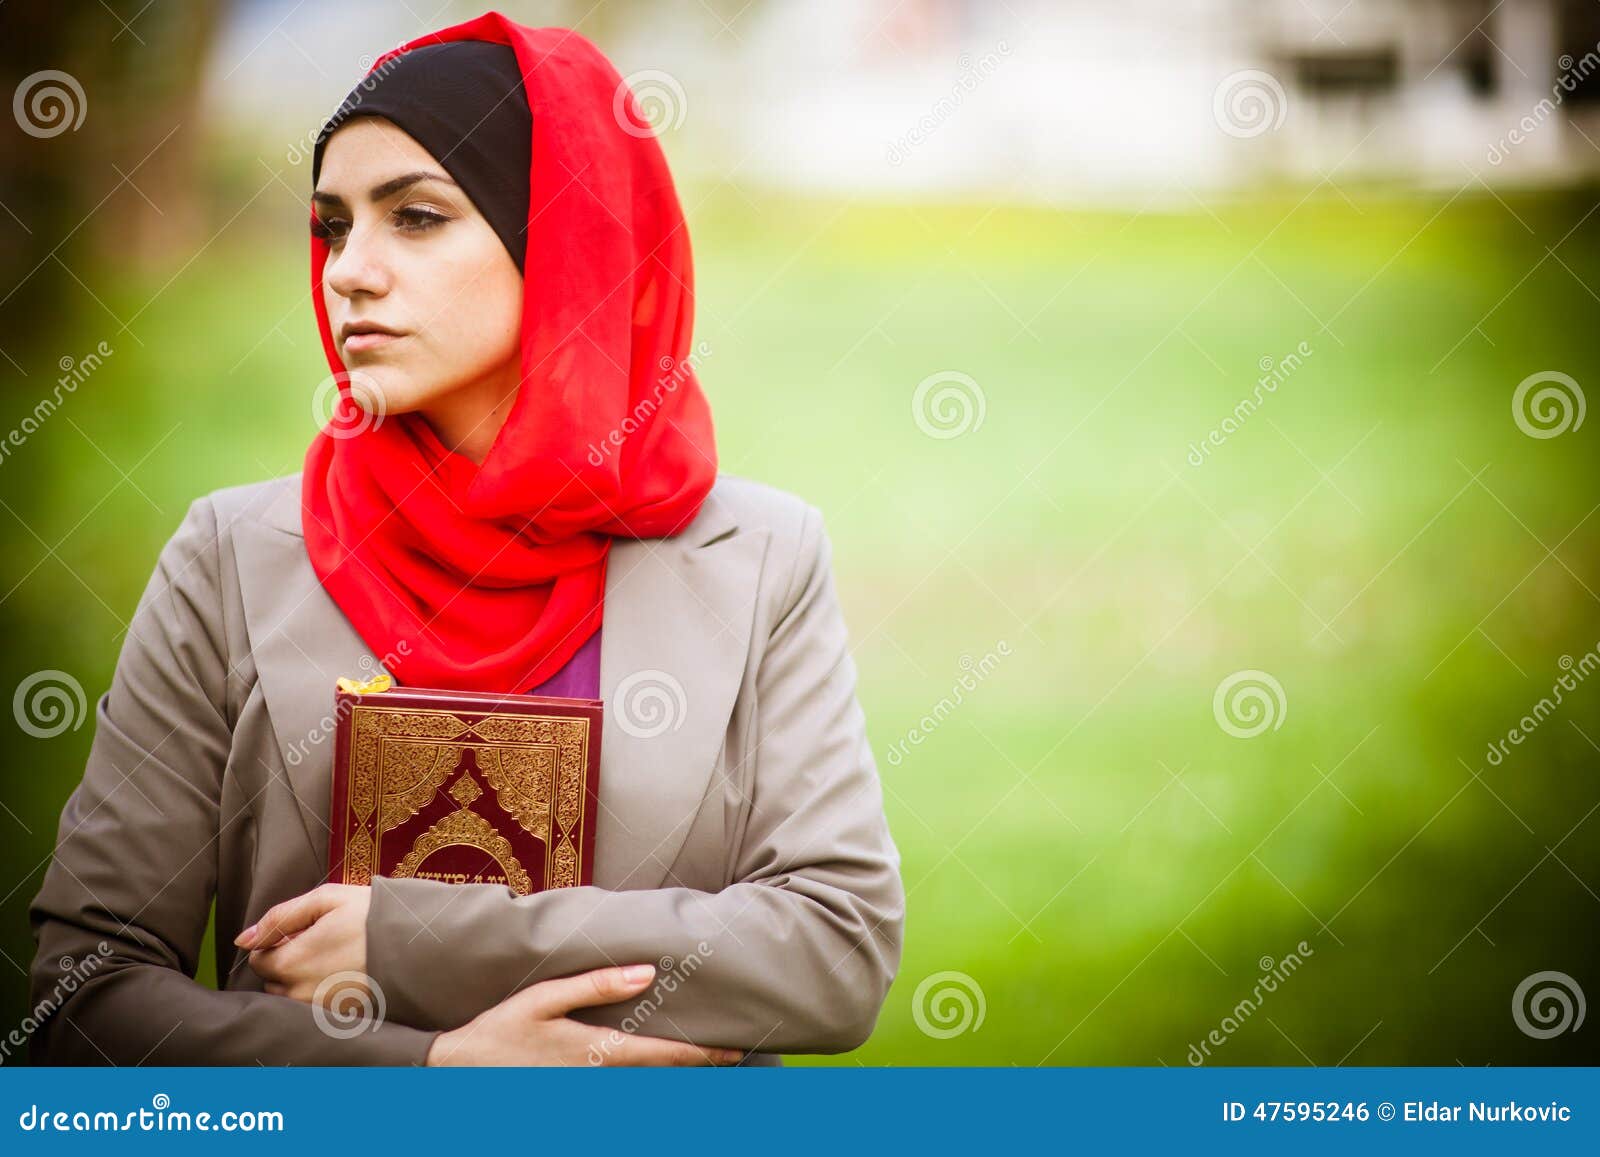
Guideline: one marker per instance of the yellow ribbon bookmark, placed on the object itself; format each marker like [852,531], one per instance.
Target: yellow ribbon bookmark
[367,687]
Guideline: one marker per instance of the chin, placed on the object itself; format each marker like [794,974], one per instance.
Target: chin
[381,389]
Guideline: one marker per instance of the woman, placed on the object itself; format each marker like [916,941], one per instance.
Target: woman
[520,453]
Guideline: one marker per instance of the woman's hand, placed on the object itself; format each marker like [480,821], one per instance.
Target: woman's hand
[299,943]
[530,1027]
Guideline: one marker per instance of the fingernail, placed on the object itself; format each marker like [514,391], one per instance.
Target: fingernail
[636,973]
[248,934]
[729,1056]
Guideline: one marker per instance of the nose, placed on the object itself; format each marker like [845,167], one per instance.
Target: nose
[359,265]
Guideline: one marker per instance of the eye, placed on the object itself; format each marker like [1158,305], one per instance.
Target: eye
[329,229]
[418,219]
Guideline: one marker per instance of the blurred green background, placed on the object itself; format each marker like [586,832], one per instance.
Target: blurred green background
[1108,870]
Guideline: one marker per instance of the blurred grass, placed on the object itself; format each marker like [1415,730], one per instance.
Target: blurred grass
[1080,838]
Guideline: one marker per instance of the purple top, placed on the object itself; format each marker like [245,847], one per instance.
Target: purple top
[580,678]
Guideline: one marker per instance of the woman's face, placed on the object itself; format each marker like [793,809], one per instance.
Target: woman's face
[409,254]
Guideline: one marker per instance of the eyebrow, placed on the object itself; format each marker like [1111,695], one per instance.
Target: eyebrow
[389,188]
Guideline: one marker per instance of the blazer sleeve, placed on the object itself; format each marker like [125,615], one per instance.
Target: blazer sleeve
[795,956]
[124,904]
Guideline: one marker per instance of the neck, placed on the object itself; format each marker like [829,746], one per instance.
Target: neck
[467,420]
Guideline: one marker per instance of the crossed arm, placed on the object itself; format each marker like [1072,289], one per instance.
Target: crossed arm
[122,911]
[796,955]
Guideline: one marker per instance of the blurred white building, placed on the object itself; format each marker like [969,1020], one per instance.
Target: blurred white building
[1072,99]
[1057,100]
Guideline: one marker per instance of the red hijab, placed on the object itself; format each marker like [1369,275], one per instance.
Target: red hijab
[490,577]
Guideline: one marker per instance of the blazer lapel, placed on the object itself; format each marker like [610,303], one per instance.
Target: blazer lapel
[672,656]
[676,637]
[302,643]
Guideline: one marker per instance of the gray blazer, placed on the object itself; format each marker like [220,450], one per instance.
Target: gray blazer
[743,847]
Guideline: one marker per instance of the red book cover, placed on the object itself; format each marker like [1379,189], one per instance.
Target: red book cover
[463,787]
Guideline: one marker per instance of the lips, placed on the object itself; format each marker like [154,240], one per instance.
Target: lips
[358,336]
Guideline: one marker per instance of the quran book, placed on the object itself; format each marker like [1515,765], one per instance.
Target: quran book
[463,787]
